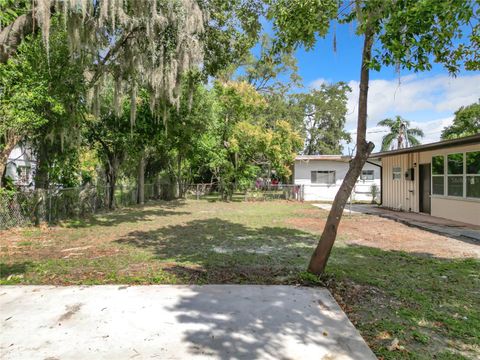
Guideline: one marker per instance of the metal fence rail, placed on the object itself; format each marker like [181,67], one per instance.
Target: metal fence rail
[32,207]
[263,193]
[28,207]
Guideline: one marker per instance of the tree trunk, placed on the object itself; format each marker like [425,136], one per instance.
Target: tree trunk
[141,180]
[111,174]
[10,143]
[321,254]
[179,176]
[41,172]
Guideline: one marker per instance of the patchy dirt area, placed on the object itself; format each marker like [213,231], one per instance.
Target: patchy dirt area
[411,293]
[385,234]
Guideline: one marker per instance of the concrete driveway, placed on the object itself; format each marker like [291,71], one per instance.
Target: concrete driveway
[175,322]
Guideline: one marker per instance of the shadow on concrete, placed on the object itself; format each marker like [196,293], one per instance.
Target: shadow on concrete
[280,322]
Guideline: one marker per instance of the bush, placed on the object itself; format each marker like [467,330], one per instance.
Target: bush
[374,192]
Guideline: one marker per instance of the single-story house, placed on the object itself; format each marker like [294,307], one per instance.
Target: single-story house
[322,175]
[441,179]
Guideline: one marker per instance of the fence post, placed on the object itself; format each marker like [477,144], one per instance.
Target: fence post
[121,195]
[49,206]
[198,193]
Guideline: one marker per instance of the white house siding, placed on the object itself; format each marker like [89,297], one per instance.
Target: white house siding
[21,158]
[319,192]
[404,194]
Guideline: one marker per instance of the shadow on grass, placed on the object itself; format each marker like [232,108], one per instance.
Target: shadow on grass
[18,268]
[131,214]
[225,248]
[391,291]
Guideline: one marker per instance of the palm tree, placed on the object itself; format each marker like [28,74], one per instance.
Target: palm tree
[401,132]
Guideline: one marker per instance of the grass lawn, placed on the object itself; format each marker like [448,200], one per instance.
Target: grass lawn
[431,304]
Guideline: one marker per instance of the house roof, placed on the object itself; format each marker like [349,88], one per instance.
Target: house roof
[473,139]
[342,158]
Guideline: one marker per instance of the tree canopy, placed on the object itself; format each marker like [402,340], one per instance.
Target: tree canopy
[465,123]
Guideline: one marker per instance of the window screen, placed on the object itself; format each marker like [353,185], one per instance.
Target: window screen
[438,177]
[326,177]
[367,175]
[397,173]
[473,174]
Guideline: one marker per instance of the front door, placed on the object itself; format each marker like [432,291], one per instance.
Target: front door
[424,191]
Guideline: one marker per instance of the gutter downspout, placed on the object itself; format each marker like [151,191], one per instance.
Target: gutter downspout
[381,180]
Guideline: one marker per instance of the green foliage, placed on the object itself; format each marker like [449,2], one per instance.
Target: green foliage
[12,9]
[465,123]
[400,132]
[410,34]
[299,22]
[239,144]
[264,70]
[41,103]
[374,192]
[325,110]
[310,279]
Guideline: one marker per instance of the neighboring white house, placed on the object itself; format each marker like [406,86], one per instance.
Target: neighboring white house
[322,176]
[21,166]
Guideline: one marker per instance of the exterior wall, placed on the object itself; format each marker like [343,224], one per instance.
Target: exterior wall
[458,209]
[467,211]
[400,194]
[21,158]
[319,192]
[403,194]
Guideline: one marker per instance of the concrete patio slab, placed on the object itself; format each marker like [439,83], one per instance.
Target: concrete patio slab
[349,209]
[175,322]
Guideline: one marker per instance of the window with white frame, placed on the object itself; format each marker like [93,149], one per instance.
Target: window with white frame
[472,173]
[438,175]
[367,175]
[325,177]
[458,172]
[397,173]
[455,173]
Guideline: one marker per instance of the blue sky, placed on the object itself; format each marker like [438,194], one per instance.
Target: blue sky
[427,99]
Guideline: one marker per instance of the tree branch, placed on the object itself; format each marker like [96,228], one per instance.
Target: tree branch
[11,36]
[112,52]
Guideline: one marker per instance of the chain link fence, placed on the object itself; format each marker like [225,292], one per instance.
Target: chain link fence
[32,207]
[261,193]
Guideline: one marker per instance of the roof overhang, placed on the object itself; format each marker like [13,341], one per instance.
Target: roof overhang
[341,158]
[473,139]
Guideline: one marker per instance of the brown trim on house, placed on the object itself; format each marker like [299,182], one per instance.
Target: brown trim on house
[436,145]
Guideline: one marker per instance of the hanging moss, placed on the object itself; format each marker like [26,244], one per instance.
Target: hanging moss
[160,41]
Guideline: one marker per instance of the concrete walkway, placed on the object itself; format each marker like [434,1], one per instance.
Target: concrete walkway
[427,222]
[175,322]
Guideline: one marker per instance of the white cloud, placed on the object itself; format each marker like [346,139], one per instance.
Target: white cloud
[432,130]
[427,102]
[315,84]
[414,98]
